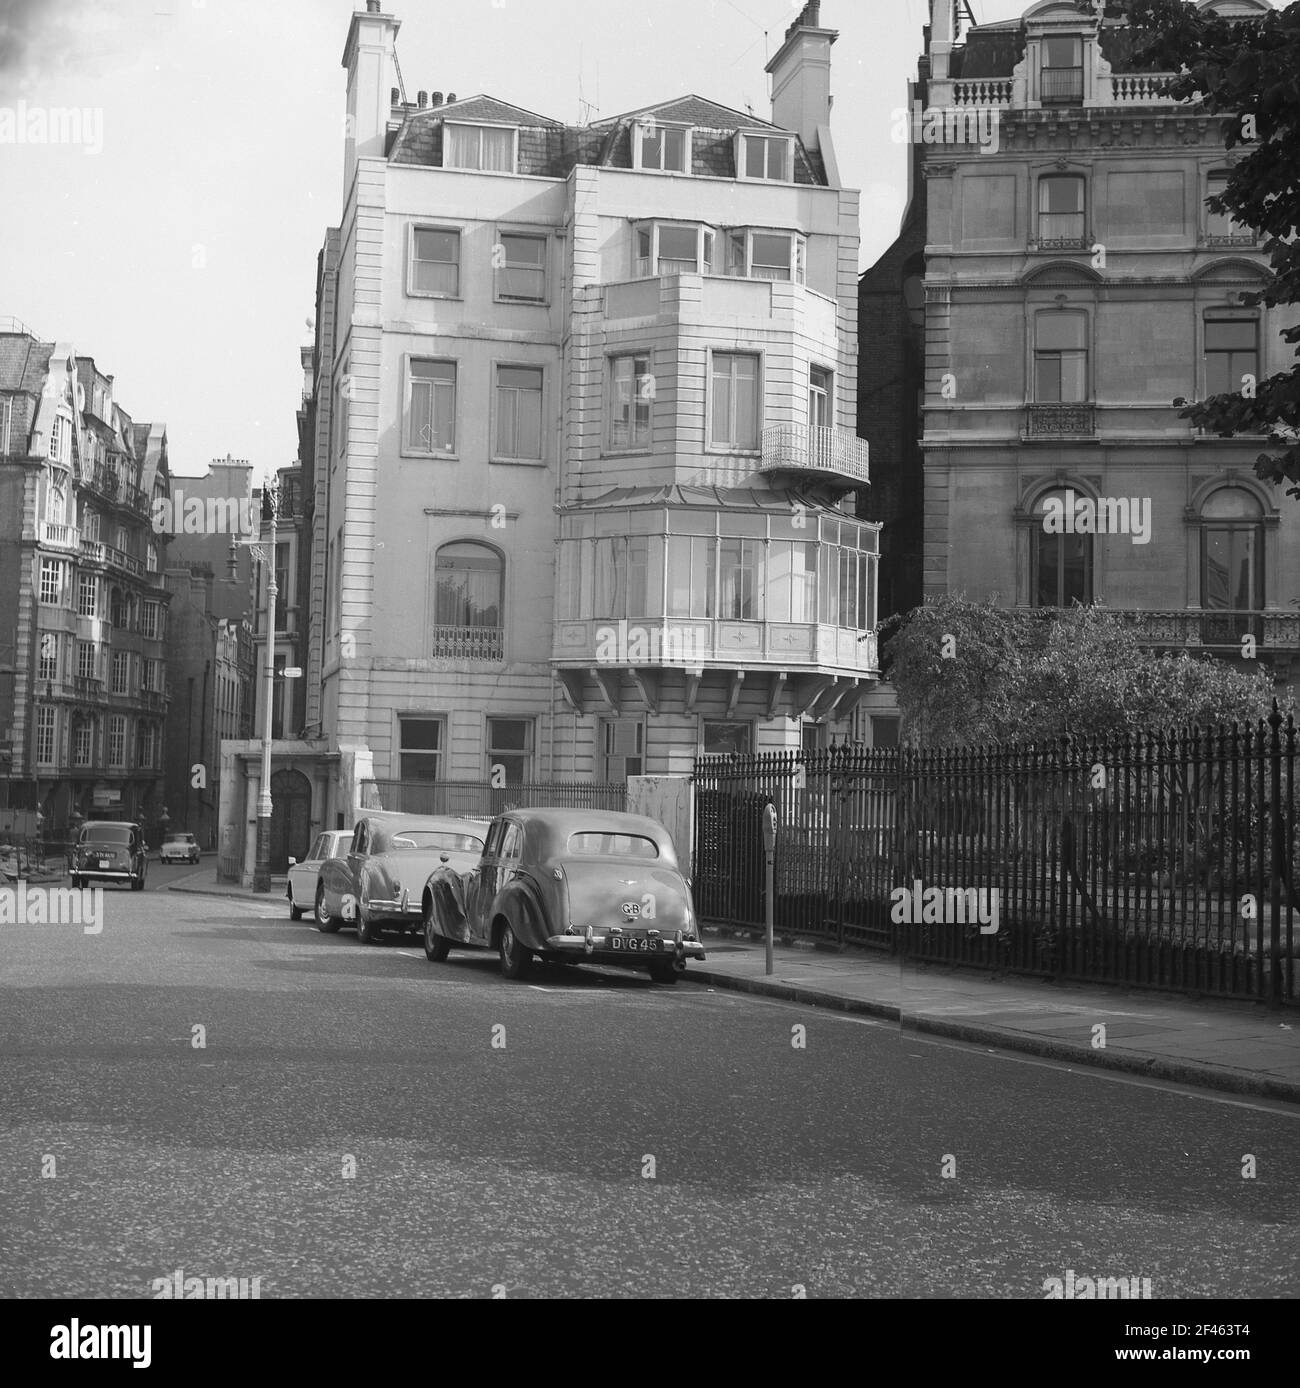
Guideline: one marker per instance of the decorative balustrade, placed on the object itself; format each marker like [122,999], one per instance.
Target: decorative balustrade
[468,643]
[820,449]
[1271,629]
[59,536]
[1045,421]
[982,91]
[1140,88]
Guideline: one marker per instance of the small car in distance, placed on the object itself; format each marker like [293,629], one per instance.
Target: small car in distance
[304,876]
[109,851]
[570,886]
[179,848]
[379,880]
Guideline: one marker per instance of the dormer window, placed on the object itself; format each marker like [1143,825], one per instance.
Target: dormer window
[668,248]
[765,255]
[1062,69]
[663,148]
[488,148]
[769,157]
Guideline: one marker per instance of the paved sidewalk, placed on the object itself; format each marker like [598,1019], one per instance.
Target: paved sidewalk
[1235,1046]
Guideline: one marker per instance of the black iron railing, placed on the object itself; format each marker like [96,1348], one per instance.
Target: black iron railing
[1163,860]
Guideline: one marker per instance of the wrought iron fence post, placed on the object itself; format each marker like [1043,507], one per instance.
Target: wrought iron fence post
[1275,889]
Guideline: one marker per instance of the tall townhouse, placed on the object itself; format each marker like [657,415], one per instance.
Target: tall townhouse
[288,706]
[585,433]
[82,630]
[1075,285]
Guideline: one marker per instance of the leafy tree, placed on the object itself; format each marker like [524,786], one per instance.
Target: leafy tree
[968,673]
[1248,72]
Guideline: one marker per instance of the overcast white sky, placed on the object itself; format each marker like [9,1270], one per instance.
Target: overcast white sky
[182,255]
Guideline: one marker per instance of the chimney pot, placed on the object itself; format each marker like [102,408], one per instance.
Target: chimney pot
[435,99]
[451,96]
[372,6]
[422,99]
[394,96]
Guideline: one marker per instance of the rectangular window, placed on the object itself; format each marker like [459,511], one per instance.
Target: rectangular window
[83,744]
[721,738]
[770,256]
[148,735]
[117,740]
[120,659]
[420,749]
[47,665]
[435,262]
[622,749]
[519,412]
[90,525]
[790,581]
[884,730]
[1060,357]
[510,746]
[6,419]
[1060,209]
[521,268]
[739,562]
[674,249]
[767,157]
[53,577]
[1231,353]
[1062,71]
[1221,226]
[820,398]
[691,579]
[679,251]
[88,597]
[45,731]
[735,401]
[478,147]
[431,411]
[59,440]
[633,396]
[87,663]
[282,594]
[662,147]
[149,626]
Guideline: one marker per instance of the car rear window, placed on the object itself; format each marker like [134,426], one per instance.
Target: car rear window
[613,846]
[106,833]
[180,838]
[430,838]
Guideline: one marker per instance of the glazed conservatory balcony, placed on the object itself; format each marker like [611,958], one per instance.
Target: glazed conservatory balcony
[816,450]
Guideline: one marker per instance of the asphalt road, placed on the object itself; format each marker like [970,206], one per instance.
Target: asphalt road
[349,1128]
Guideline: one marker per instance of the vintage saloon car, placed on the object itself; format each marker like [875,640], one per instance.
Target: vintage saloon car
[379,880]
[109,851]
[300,886]
[573,886]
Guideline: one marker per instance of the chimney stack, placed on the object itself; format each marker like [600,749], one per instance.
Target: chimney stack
[801,79]
[368,60]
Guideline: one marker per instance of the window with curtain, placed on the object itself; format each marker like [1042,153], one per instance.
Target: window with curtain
[691,581]
[790,581]
[767,157]
[661,147]
[431,413]
[1060,357]
[735,421]
[519,412]
[1062,68]
[56,500]
[435,261]
[633,396]
[484,147]
[510,746]
[521,268]
[1062,564]
[1060,208]
[469,582]
[739,564]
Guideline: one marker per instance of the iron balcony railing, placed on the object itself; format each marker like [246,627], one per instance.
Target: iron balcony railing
[820,449]
[1022,859]
[1062,84]
[1272,629]
[468,643]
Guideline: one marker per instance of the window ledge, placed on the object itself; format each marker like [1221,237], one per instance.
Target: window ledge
[429,457]
[518,462]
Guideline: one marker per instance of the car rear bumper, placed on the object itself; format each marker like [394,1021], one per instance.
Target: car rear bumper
[106,874]
[592,946]
[402,908]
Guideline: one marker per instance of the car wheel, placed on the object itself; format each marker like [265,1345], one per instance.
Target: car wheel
[662,971]
[325,923]
[295,911]
[515,959]
[367,930]
[436,947]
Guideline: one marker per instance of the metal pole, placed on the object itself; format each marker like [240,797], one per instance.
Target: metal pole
[1279,849]
[769,895]
[262,867]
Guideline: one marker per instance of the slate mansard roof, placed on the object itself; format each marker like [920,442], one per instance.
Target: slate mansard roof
[550,149]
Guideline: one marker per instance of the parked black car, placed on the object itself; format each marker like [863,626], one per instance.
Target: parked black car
[109,851]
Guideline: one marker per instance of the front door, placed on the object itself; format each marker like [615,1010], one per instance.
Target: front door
[290,818]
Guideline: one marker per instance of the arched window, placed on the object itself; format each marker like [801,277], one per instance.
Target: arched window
[1062,559]
[469,591]
[1232,551]
[56,499]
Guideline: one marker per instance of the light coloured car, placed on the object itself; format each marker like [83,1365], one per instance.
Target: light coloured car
[303,876]
[377,883]
[179,848]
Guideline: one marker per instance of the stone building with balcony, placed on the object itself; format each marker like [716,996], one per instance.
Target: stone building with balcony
[83,688]
[1075,284]
[585,447]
